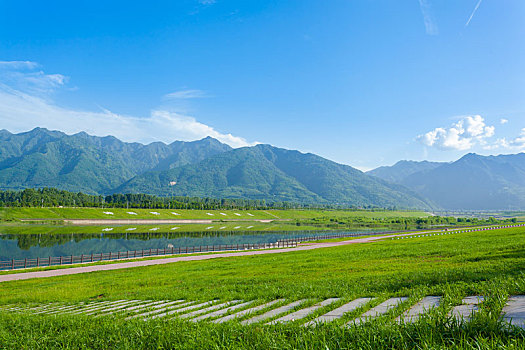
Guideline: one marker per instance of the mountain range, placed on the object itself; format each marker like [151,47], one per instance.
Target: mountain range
[208,168]
[472,182]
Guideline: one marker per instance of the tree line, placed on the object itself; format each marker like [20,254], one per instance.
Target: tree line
[53,197]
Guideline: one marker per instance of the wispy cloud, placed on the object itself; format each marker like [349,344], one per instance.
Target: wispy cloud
[503,121]
[462,135]
[430,27]
[21,110]
[18,65]
[207,2]
[185,94]
[23,75]
[473,12]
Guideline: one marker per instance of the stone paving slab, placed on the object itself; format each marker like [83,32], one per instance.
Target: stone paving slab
[111,310]
[65,309]
[300,314]
[138,308]
[69,309]
[377,311]
[247,311]
[514,311]
[96,311]
[208,309]
[184,309]
[274,312]
[340,311]
[221,312]
[97,306]
[470,305]
[423,306]
[162,307]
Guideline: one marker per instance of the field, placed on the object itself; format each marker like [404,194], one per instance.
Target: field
[453,266]
[21,229]
[151,214]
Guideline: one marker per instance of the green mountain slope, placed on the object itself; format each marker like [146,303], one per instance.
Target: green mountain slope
[86,163]
[474,182]
[402,169]
[266,172]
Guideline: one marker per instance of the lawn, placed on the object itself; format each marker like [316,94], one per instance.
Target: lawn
[181,214]
[489,263]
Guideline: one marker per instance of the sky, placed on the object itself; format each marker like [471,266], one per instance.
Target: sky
[361,82]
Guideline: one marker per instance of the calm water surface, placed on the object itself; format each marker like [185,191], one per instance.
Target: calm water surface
[19,246]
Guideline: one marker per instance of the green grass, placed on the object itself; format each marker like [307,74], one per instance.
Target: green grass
[489,263]
[26,229]
[98,213]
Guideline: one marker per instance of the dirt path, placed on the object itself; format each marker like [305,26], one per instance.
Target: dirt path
[129,264]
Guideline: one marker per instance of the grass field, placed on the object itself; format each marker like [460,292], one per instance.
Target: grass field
[150,214]
[486,263]
[18,229]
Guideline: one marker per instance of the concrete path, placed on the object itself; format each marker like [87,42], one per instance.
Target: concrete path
[377,311]
[469,306]
[247,311]
[274,312]
[414,313]
[300,314]
[340,311]
[129,264]
[221,312]
[514,311]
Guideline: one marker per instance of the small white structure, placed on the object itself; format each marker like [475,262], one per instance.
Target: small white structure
[108,213]
[131,213]
[107,229]
[154,213]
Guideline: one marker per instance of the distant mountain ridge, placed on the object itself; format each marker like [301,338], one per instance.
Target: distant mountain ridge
[472,182]
[105,165]
[402,169]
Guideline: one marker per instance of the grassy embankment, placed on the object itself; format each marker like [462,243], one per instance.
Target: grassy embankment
[14,214]
[454,266]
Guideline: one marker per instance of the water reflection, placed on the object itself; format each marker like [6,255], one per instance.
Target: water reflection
[42,245]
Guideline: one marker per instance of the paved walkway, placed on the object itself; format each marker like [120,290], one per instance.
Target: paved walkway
[126,265]
[276,311]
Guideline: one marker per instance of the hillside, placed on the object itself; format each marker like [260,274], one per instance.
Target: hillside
[90,164]
[474,182]
[402,169]
[266,172]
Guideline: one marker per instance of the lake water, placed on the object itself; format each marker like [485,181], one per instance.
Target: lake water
[20,246]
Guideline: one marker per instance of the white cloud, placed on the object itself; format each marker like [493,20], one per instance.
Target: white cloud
[503,121]
[207,2]
[463,135]
[22,109]
[22,75]
[185,94]
[430,27]
[18,65]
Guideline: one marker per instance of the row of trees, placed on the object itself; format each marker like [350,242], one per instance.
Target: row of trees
[52,197]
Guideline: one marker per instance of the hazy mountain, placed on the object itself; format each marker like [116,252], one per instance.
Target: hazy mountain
[90,164]
[402,169]
[266,172]
[474,182]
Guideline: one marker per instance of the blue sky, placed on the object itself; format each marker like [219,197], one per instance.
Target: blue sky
[361,82]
